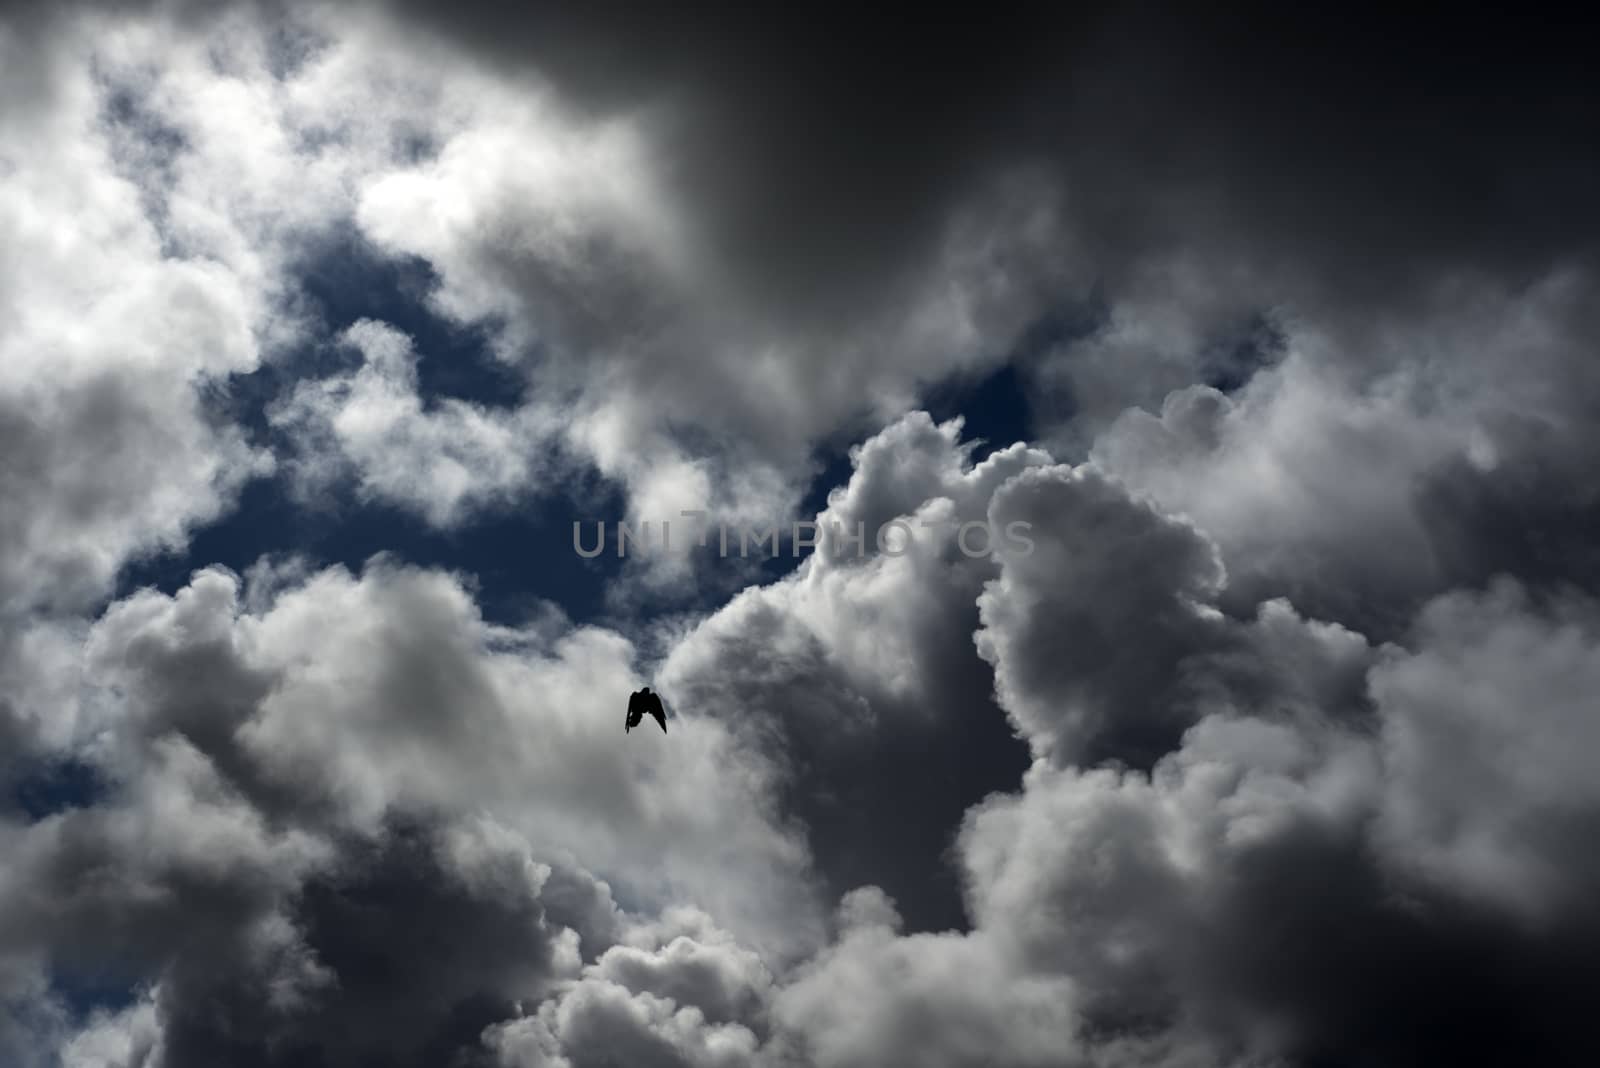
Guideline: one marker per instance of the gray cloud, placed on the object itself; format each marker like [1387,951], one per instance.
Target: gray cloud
[1303,657]
[859,675]
[1089,632]
[1320,857]
[1361,495]
[282,853]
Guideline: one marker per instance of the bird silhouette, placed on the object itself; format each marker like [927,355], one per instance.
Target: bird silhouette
[642,703]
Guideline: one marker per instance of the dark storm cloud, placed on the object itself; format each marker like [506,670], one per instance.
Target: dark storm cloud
[419,958]
[392,946]
[1379,148]
[819,150]
[823,149]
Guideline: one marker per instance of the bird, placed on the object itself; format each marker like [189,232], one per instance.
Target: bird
[641,703]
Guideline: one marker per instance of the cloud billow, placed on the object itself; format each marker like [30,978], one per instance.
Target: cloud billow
[1276,748]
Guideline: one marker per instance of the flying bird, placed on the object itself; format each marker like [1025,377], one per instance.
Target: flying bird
[641,703]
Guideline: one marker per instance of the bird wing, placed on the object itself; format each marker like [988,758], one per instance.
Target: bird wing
[653,706]
[635,709]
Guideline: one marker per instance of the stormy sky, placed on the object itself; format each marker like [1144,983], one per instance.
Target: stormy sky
[1274,744]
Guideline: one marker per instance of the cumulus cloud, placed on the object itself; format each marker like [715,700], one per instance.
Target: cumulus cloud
[678,992]
[1292,829]
[108,345]
[858,671]
[1269,744]
[1314,818]
[1361,493]
[939,999]
[563,234]
[441,461]
[1486,728]
[1288,878]
[290,777]
[1090,630]
[435,707]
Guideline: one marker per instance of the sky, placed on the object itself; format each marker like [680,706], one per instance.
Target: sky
[1225,692]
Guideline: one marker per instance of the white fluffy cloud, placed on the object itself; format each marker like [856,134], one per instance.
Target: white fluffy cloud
[110,339]
[372,426]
